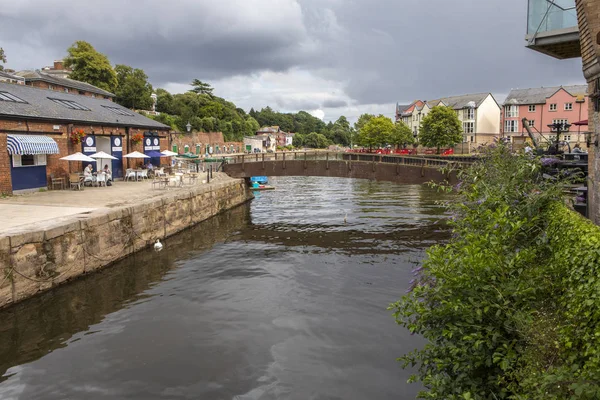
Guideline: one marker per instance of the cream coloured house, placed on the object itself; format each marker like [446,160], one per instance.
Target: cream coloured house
[479,114]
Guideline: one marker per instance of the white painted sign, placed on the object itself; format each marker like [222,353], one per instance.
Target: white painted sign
[89,149]
[117,148]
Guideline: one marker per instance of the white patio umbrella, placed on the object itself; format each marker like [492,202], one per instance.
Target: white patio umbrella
[168,153]
[103,156]
[78,157]
[136,154]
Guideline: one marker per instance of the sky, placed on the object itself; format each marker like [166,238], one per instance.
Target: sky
[328,57]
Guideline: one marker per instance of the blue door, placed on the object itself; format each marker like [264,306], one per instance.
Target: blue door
[88,147]
[116,146]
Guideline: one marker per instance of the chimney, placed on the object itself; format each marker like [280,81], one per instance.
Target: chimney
[58,65]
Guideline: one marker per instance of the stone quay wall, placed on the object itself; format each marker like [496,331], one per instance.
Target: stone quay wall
[37,261]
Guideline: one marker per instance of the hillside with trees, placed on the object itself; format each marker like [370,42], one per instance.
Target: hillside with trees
[200,106]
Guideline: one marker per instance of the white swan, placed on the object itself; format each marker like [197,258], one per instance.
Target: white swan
[158,245]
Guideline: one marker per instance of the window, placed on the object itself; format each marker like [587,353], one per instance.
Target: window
[472,139]
[66,90]
[552,107]
[511,126]
[28,160]
[468,127]
[567,138]
[5,96]
[511,111]
[568,106]
[81,92]
[118,111]
[532,108]
[561,121]
[69,104]
[51,87]
[468,113]
[531,122]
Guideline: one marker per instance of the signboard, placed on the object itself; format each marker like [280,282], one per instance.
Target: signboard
[151,143]
[117,144]
[89,144]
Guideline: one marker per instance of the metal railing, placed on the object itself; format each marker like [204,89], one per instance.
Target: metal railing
[423,161]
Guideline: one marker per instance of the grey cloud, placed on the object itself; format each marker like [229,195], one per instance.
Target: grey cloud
[336,103]
[378,51]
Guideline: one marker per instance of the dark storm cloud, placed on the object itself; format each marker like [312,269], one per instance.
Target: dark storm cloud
[335,103]
[373,51]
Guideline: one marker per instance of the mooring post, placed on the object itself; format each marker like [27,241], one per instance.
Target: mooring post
[283,160]
[327,160]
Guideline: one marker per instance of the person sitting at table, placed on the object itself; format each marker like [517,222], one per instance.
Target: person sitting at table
[577,149]
[87,174]
[149,166]
[106,170]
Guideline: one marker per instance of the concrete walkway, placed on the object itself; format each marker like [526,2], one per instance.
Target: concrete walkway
[40,208]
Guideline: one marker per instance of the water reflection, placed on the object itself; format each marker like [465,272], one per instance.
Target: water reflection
[281,299]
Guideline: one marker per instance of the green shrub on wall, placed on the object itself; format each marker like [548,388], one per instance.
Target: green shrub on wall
[509,305]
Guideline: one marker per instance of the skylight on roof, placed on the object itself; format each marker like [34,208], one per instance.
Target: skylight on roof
[5,96]
[118,111]
[70,104]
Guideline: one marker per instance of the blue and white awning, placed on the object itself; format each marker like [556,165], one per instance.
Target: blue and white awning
[31,144]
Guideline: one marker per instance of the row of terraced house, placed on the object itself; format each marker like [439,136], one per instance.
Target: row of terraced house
[485,120]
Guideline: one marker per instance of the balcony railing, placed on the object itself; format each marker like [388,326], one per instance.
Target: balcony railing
[552,28]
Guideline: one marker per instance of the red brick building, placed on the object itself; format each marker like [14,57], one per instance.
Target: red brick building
[39,126]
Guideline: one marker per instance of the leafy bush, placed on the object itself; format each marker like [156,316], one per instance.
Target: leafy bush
[510,304]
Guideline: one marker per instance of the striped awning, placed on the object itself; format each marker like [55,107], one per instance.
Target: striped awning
[31,144]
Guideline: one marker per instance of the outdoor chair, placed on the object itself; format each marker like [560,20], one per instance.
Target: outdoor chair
[55,181]
[161,182]
[130,174]
[75,181]
[101,179]
[160,172]
[88,180]
[143,174]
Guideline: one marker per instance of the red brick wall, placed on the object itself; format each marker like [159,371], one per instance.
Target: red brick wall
[54,165]
[204,138]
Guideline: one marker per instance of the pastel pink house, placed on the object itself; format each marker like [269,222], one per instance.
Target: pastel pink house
[544,106]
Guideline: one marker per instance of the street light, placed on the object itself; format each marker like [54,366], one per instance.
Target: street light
[188,127]
[559,127]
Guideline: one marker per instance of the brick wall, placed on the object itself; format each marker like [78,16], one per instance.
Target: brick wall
[588,13]
[60,88]
[60,133]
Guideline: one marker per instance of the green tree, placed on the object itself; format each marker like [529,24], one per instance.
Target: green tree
[200,87]
[376,132]
[2,58]
[316,140]
[88,65]
[440,128]
[339,132]
[164,101]
[251,126]
[133,90]
[362,121]
[401,135]
[298,140]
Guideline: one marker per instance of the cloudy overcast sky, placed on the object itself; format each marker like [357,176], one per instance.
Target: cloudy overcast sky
[330,57]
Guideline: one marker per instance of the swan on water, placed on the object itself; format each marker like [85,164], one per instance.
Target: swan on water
[158,245]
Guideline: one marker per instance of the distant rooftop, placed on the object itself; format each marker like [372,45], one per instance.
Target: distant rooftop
[44,76]
[539,95]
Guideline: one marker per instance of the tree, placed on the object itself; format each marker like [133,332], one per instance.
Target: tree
[251,126]
[298,140]
[2,58]
[88,65]
[401,135]
[376,132]
[200,87]
[164,101]
[440,128]
[316,140]
[362,121]
[339,133]
[133,90]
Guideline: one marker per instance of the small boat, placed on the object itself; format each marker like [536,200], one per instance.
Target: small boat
[263,180]
[257,186]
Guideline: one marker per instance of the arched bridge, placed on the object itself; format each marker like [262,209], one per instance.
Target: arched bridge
[398,169]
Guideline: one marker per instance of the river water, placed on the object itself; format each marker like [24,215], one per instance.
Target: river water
[282,298]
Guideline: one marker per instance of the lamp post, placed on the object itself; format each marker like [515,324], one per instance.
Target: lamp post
[188,126]
[559,127]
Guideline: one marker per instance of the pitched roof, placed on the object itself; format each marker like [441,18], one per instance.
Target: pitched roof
[462,101]
[38,104]
[539,95]
[400,108]
[4,74]
[37,75]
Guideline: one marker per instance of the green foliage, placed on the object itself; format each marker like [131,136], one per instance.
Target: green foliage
[200,87]
[314,140]
[134,90]
[376,131]
[440,128]
[510,305]
[401,135]
[340,132]
[90,66]
[2,58]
